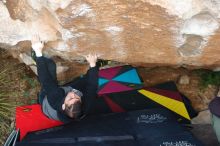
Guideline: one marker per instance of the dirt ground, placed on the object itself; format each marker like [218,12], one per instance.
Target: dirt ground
[200,97]
[26,85]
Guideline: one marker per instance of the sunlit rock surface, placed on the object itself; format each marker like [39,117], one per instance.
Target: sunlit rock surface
[139,32]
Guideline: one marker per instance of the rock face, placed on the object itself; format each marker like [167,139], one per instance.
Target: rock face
[147,33]
[139,32]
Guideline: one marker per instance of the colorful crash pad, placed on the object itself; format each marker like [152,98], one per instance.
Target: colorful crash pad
[118,79]
[169,99]
[163,95]
[30,118]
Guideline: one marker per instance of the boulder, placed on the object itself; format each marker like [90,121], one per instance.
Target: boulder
[141,32]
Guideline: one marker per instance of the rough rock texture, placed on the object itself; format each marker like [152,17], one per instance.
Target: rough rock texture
[139,32]
[149,33]
[204,117]
[199,97]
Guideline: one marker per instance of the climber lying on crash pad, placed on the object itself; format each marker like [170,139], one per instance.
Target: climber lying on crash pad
[71,101]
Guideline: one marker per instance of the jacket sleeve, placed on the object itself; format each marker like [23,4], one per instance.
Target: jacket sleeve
[91,87]
[44,76]
[54,93]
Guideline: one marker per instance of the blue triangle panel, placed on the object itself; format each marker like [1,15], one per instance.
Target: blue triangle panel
[102,81]
[130,76]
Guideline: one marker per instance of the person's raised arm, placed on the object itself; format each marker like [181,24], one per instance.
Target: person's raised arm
[91,84]
[45,78]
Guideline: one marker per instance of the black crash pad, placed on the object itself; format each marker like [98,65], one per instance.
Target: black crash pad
[143,127]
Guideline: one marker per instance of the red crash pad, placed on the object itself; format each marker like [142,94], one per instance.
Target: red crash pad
[30,118]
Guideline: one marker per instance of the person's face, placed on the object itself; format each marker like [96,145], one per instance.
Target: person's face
[71,98]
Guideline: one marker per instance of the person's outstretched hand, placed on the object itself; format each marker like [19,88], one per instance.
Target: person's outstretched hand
[37,45]
[92,58]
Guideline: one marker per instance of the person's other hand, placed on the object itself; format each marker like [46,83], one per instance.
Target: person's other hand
[92,58]
[37,45]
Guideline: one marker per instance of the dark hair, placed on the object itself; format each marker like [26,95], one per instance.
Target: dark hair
[74,110]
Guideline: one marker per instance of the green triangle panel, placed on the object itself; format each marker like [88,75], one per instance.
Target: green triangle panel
[102,81]
[130,76]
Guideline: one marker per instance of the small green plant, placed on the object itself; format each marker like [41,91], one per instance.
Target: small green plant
[209,77]
[31,81]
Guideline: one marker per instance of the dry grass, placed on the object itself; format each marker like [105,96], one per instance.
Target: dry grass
[18,86]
